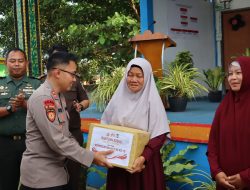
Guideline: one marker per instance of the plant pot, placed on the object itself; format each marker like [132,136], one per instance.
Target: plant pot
[165,102]
[215,96]
[177,104]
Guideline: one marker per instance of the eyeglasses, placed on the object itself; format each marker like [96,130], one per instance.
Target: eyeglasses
[75,75]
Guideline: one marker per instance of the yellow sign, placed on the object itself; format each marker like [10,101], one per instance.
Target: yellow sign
[2,67]
[2,60]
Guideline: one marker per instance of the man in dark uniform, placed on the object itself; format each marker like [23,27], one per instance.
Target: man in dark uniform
[15,89]
[49,141]
[76,101]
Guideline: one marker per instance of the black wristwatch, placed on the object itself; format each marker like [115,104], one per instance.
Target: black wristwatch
[9,109]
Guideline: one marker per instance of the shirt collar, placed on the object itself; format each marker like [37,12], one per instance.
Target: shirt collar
[24,79]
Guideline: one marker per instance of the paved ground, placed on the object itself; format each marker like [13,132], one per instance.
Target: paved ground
[90,188]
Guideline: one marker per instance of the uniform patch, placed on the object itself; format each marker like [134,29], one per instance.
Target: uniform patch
[49,106]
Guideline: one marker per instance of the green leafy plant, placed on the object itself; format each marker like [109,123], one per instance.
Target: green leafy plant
[206,184]
[179,81]
[247,52]
[106,87]
[214,78]
[183,58]
[177,168]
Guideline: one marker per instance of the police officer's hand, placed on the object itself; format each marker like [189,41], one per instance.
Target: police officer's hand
[100,158]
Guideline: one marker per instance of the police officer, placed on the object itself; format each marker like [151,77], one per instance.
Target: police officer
[15,89]
[49,141]
[76,101]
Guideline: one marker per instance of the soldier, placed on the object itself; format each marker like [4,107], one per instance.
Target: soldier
[15,89]
[49,141]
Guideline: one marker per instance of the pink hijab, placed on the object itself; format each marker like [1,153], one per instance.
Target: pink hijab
[142,110]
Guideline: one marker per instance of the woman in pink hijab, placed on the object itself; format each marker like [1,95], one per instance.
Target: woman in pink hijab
[137,104]
[229,141]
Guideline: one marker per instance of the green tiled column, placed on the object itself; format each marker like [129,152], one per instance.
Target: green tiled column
[27,26]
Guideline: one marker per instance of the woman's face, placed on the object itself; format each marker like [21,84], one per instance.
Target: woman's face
[235,77]
[135,79]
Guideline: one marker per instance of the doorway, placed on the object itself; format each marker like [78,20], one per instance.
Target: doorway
[236,35]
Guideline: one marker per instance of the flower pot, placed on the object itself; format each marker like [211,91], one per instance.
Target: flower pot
[165,102]
[177,104]
[215,96]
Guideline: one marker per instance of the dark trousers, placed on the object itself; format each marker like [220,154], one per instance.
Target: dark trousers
[74,168]
[10,159]
[63,187]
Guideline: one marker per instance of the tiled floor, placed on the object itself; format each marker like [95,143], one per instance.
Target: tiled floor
[197,112]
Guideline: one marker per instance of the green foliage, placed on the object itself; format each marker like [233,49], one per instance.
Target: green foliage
[177,168]
[214,78]
[106,87]
[179,81]
[206,184]
[247,52]
[7,29]
[183,58]
[85,27]
[97,31]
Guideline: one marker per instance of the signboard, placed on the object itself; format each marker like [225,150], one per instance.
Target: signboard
[127,143]
[2,68]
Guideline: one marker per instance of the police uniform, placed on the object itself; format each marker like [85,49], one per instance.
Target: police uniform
[12,130]
[76,93]
[49,141]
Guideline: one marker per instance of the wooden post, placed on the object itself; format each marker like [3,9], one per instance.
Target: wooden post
[151,46]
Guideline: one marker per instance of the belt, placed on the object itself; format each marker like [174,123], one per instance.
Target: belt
[14,137]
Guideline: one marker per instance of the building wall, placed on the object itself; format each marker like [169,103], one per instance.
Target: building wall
[235,4]
[238,4]
[167,15]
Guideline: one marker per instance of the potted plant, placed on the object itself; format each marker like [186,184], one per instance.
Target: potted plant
[179,83]
[184,57]
[106,87]
[177,168]
[214,78]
